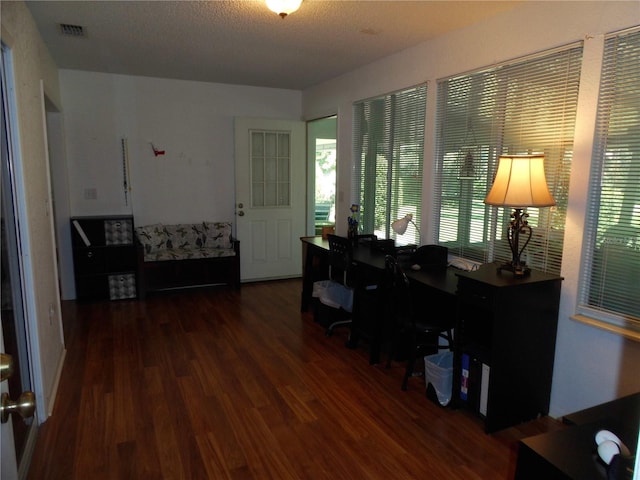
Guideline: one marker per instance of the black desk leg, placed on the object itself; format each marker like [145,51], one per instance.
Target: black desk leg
[307,279]
[315,268]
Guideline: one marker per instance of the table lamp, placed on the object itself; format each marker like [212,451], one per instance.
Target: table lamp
[520,182]
[400,225]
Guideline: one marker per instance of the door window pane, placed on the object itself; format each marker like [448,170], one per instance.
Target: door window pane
[270,168]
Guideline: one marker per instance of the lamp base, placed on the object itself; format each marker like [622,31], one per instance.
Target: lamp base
[517,270]
[517,226]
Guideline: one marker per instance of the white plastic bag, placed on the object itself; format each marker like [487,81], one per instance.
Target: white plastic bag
[333,294]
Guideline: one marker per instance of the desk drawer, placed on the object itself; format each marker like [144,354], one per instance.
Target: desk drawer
[475,293]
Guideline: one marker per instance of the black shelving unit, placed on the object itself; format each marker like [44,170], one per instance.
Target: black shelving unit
[505,344]
[104,257]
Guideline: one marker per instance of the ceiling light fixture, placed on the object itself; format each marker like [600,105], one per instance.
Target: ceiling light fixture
[283,7]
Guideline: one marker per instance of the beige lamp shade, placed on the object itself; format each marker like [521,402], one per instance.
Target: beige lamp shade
[520,182]
[283,7]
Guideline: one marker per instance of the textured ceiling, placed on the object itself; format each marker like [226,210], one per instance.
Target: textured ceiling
[241,41]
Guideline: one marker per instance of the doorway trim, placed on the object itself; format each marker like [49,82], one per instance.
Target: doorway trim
[14,162]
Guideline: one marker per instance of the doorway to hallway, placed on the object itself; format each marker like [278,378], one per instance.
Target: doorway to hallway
[321,164]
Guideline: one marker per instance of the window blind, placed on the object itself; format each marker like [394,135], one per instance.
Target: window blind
[610,283]
[527,106]
[388,159]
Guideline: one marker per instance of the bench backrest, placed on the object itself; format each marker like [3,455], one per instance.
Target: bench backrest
[159,237]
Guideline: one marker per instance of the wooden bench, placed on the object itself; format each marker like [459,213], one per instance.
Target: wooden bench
[186,256]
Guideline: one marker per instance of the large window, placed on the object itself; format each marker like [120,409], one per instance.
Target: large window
[388,154]
[610,279]
[526,106]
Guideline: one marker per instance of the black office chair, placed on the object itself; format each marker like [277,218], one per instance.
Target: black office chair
[418,332]
[365,238]
[340,271]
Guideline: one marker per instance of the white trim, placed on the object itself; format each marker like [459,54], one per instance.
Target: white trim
[54,387]
[27,453]
[608,326]
[23,264]
[24,244]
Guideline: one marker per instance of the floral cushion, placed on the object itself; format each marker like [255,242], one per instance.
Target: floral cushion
[151,237]
[216,235]
[185,240]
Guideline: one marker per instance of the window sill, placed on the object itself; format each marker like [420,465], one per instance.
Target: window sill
[625,332]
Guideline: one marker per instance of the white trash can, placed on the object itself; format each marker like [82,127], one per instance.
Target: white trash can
[438,371]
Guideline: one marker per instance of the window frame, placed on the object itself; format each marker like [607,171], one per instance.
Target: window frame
[606,178]
[388,171]
[484,112]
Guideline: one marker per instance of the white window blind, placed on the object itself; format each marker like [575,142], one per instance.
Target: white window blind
[527,106]
[610,282]
[388,159]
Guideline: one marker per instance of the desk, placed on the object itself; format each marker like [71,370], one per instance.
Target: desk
[505,326]
[316,249]
[439,286]
[571,454]
[626,407]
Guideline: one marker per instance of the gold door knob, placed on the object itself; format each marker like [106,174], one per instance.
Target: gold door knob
[6,366]
[25,406]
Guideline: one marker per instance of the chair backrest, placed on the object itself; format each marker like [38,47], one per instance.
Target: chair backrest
[365,238]
[434,256]
[340,258]
[401,305]
[385,245]
[397,290]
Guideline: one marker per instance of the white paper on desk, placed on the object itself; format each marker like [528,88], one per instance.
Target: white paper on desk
[83,235]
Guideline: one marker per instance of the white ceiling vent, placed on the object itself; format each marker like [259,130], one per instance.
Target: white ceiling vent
[72,30]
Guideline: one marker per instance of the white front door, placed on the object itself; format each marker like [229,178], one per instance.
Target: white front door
[270,197]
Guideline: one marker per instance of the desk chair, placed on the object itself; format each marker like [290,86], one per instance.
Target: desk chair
[365,239]
[421,331]
[340,270]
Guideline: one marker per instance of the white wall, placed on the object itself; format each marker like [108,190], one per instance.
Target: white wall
[191,121]
[592,366]
[32,65]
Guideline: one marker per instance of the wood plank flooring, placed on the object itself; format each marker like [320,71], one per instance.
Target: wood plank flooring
[222,384]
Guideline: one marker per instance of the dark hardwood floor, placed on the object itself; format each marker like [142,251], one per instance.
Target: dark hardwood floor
[222,384]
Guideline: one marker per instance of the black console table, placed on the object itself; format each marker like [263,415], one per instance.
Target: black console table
[571,453]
